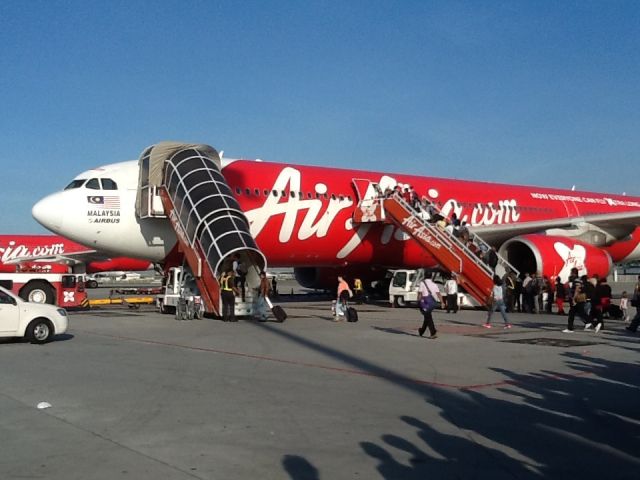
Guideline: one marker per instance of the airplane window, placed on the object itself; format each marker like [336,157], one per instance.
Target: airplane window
[75,184]
[93,184]
[247,191]
[284,194]
[257,192]
[333,196]
[275,193]
[309,195]
[341,197]
[108,184]
[293,194]
[238,191]
[266,192]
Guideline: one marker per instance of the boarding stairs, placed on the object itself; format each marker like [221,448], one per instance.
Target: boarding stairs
[184,183]
[472,273]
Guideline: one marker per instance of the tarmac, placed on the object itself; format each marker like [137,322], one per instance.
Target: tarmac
[137,394]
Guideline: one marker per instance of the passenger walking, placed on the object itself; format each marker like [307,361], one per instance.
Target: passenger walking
[509,281]
[451,291]
[518,303]
[601,301]
[428,296]
[635,302]
[228,295]
[624,307]
[497,303]
[344,293]
[491,258]
[263,293]
[577,301]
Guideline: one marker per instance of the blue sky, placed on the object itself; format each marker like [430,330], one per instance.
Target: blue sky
[542,92]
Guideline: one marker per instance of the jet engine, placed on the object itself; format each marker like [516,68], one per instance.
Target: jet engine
[555,256]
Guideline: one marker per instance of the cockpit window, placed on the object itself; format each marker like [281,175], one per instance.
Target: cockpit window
[108,184]
[93,184]
[75,184]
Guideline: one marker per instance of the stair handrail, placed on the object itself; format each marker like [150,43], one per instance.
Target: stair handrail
[441,236]
[450,239]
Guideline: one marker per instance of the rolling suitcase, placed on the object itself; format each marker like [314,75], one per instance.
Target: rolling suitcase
[352,314]
[277,311]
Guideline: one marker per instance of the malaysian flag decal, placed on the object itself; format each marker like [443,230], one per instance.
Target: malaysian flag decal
[99,201]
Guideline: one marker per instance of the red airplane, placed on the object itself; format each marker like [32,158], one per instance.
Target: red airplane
[55,254]
[302,217]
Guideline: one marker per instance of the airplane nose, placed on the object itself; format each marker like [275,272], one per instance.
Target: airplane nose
[48,212]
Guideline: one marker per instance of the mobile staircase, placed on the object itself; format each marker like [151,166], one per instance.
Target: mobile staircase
[184,183]
[449,251]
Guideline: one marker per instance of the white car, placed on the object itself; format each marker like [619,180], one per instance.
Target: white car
[39,322]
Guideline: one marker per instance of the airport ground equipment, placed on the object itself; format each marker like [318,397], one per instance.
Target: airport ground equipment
[184,183]
[449,251]
[63,289]
[404,285]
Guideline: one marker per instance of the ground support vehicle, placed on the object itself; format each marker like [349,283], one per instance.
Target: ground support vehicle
[404,285]
[63,289]
[36,321]
[179,295]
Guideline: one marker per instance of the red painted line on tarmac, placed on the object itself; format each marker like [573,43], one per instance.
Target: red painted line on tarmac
[363,373]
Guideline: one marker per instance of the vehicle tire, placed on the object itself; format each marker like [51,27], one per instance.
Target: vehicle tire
[399,302]
[40,331]
[91,284]
[38,292]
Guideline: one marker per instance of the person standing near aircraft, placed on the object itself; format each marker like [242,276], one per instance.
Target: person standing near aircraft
[358,291]
[560,295]
[228,294]
[428,291]
[451,290]
[263,293]
[635,301]
[509,281]
[497,303]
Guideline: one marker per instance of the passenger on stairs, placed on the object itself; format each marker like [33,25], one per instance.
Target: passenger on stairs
[240,270]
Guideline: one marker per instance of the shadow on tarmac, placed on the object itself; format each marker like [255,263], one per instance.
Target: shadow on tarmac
[538,425]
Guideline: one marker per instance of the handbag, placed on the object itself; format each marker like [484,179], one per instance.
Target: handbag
[427,303]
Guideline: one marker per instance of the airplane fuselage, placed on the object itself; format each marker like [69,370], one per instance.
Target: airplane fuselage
[302,215]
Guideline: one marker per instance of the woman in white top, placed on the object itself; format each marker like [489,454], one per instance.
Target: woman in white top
[497,302]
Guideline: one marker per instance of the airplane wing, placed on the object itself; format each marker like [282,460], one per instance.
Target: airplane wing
[614,226]
[75,258]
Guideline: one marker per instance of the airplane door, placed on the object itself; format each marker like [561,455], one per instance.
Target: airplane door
[9,314]
[365,188]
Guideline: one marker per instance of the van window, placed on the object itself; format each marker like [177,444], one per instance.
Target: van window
[68,281]
[400,279]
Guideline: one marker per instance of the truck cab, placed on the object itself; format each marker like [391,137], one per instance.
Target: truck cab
[403,288]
